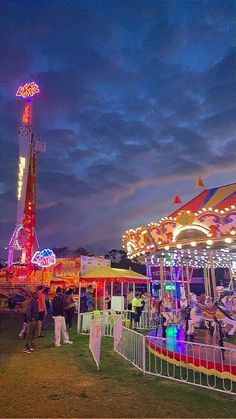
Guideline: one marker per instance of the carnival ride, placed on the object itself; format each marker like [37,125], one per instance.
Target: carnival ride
[198,236]
[24,236]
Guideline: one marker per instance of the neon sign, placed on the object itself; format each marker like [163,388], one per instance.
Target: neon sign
[20,176]
[18,243]
[169,287]
[44,258]
[26,114]
[28,90]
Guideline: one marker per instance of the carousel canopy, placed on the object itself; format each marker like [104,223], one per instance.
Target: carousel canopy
[206,221]
[215,198]
[112,274]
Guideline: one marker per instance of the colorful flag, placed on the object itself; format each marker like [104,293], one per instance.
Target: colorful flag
[199,183]
[177,200]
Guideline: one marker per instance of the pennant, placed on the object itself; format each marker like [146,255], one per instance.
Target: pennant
[177,200]
[199,183]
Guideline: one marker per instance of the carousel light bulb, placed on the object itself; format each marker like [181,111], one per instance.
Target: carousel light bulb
[193,244]
[228,240]
[232,232]
[179,246]
[209,242]
[167,247]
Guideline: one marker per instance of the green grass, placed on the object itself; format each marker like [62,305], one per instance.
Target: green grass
[64,383]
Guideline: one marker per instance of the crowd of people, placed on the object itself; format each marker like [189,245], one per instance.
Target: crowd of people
[37,311]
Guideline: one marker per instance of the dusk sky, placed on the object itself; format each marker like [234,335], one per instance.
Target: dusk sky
[137,100]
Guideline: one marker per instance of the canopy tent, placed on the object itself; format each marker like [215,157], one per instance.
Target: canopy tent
[105,273]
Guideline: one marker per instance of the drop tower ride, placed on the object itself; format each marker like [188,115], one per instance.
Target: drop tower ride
[24,236]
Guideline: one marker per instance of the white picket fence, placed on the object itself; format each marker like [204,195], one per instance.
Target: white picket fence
[108,318]
[201,365]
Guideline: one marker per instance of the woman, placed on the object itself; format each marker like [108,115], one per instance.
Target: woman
[69,307]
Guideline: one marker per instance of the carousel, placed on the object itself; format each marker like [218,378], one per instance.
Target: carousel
[200,236]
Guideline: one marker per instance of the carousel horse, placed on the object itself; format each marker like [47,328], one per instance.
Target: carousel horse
[216,313]
[162,310]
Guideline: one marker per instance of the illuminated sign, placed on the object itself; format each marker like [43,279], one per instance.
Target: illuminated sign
[26,114]
[169,287]
[20,176]
[28,90]
[44,258]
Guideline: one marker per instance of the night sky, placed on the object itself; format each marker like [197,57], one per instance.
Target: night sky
[137,100]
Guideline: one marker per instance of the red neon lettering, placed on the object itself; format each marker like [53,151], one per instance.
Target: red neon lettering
[28,90]
[26,117]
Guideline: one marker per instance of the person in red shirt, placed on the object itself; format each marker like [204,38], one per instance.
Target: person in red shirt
[41,309]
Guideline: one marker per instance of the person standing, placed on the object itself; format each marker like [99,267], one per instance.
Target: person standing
[136,311]
[69,307]
[41,309]
[31,317]
[58,306]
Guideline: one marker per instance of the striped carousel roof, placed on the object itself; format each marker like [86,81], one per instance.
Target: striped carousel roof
[215,198]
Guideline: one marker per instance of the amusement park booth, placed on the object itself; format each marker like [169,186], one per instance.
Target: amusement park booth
[112,289]
[200,235]
[109,283]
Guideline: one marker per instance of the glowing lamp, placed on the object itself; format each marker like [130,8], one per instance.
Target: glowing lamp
[28,90]
[228,240]
[44,258]
[179,246]
[209,242]
[193,244]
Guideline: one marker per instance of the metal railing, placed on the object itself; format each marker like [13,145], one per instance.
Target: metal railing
[207,366]
[130,344]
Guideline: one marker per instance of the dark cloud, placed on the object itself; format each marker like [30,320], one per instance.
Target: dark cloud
[137,100]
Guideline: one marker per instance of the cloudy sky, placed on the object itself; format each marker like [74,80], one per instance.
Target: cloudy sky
[137,100]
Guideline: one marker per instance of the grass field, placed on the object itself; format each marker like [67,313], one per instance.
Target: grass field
[64,383]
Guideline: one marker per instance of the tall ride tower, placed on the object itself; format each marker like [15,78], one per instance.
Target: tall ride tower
[24,235]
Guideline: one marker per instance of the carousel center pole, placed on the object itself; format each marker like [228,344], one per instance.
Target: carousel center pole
[213,276]
[162,275]
[187,277]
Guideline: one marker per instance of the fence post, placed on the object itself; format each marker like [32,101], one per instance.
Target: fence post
[78,323]
[144,353]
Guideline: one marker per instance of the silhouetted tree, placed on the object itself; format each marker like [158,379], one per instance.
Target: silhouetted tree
[61,252]
[81,251]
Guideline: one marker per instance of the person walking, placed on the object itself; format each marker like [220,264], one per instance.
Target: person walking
[58,306]
[32,318]
[69,307]
[41,309]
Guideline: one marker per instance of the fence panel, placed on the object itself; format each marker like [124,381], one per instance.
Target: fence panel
[108,319]
[130,344]
[203,365]
[95,338]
